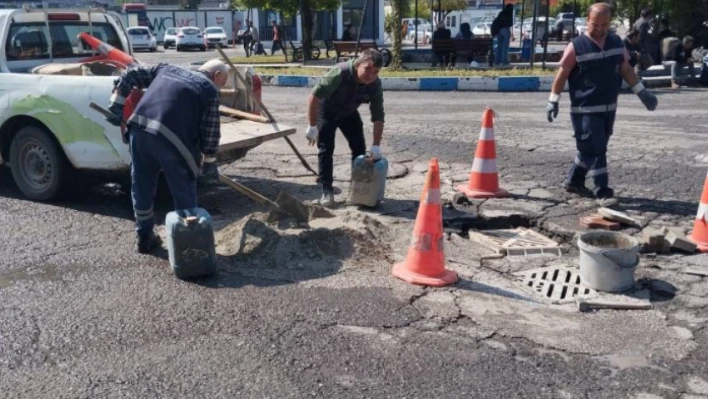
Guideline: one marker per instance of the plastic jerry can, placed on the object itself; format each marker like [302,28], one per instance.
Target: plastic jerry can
[368,181]
[190,243]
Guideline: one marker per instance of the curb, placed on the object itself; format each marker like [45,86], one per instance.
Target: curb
[498,84]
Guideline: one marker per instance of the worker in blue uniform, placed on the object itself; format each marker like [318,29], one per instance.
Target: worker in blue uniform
[594,65]
[175,129]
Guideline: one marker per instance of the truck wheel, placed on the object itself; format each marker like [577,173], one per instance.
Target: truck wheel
[38,164]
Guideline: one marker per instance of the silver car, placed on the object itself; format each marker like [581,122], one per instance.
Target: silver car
[190,37]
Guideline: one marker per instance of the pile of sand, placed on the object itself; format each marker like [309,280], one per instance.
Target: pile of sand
[345,236]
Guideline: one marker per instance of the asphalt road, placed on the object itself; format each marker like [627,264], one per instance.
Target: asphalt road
[82,315]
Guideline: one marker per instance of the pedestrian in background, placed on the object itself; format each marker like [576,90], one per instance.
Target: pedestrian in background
[594,65]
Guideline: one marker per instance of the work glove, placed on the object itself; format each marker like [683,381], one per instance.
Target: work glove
[375,152]
[117,117]
[210,172]
[311,135]
[648,98]
[552,107]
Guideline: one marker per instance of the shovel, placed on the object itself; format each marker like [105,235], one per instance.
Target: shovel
[285,205]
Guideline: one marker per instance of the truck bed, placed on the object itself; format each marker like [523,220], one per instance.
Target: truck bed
[240,133]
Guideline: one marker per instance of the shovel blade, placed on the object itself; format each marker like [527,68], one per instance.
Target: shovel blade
[290,206]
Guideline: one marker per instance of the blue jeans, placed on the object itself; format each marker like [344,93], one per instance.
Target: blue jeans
[151,154]
[677,69]
[592,133]
[501,53]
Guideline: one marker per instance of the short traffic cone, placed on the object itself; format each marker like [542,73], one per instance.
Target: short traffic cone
[700,228]
[108,51]
[484,179]
[425,263]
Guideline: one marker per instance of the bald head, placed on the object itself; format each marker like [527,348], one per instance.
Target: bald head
[599,16]
[602,9]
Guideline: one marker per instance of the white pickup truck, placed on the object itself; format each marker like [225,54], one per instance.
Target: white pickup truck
[47,130]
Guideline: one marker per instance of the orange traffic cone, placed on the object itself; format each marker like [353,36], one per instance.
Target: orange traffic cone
[484,179]
[700,229]
[129,107]
[425,263]
[108,51]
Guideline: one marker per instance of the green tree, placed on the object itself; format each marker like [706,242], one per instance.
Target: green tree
[189,4]
[445,6]
[396,35]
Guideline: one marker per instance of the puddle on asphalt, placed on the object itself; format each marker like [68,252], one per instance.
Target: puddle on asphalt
[45,273]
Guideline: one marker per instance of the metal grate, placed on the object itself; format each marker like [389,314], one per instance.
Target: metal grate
[518,241]
[557,284]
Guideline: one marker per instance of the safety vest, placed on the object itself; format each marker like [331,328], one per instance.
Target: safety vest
[595,82]
[173,106]
[349,95]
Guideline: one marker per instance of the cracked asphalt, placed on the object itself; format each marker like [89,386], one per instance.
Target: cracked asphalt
[82,315]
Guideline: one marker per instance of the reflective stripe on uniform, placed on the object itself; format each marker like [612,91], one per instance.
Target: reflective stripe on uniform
[579,162]
[170,136]
[599,55]
[481,165]
[597,172]
[593,108]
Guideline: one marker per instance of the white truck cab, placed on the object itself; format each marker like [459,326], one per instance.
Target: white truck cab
[47,129]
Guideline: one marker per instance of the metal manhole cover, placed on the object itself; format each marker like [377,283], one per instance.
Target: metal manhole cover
[557,284]
[519,241]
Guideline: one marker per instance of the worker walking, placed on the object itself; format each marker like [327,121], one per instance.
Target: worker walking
[334,103]
[594,65]
[174,128]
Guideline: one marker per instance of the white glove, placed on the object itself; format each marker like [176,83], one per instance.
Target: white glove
[311,135]
[375,152]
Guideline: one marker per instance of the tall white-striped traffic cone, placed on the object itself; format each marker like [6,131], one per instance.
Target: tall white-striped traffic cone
[700,228]
[484,178]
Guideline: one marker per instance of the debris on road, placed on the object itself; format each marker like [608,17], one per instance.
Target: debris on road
[519,241]
[676,238]
[617,216]
[597,221]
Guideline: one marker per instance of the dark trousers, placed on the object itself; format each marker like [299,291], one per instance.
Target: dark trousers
[247,45]
[592,133]
[353,129]
[151,154]
[277,45]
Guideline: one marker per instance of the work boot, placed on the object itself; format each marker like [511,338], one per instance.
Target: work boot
[327,199]
[579,190]
[675,85]
[148,242]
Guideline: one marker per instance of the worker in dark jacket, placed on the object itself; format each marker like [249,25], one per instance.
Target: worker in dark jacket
[333,104]
[174,128]
[680,53]
[594,65]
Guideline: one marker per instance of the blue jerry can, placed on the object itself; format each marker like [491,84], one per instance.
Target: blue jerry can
[190,243]
[368,181]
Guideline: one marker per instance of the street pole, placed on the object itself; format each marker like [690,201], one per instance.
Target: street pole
[533,32]
[575,11]
[545,42]
[415,38]
[361,27]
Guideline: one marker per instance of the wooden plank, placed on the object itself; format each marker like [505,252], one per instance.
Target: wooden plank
[243,133]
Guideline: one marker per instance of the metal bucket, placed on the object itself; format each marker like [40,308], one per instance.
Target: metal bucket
[608,260]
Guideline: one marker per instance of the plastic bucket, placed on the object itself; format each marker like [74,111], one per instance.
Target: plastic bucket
[608,260]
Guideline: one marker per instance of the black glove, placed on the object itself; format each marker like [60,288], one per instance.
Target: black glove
[117,117]
[210,172]
[648,99]
[552,110]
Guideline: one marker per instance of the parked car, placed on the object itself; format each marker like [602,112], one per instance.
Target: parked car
[216,36]
[189,37]
[49,135]
[142,39]
[425,33]
[482,29]
[581,26]
[170,38]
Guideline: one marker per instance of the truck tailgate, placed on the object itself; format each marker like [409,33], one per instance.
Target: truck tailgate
[240,133]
